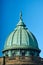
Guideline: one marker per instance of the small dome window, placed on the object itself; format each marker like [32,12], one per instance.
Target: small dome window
[13,53]
[23,53]
[6,53]
[31,53]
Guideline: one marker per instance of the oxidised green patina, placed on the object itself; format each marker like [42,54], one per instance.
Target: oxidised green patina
[21,38]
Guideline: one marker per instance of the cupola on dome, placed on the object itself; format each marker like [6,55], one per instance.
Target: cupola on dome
[21,39]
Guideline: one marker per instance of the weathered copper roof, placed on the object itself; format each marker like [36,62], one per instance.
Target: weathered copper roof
[21,38]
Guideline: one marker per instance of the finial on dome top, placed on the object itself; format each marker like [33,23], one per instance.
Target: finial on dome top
[21,15]
[21,23]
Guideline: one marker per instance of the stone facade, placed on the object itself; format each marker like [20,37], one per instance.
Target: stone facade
[21,60]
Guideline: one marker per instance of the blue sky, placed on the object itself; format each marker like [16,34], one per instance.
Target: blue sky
[32,12]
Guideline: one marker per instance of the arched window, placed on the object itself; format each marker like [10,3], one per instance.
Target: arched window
[13,53]
[6,53]
[23,53]
[31,53]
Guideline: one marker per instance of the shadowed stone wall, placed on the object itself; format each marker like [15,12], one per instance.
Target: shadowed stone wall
[21,61]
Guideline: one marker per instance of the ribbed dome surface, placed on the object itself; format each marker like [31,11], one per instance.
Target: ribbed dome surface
[21,38]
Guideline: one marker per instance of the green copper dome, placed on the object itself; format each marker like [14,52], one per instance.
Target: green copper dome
[21,38]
